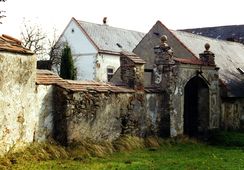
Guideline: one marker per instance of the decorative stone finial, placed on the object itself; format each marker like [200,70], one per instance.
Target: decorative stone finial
[207,46]
[164,39]
[207,56]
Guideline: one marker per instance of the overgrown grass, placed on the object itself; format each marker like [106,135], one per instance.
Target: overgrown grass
[34,153]
[128,152]
[84,150]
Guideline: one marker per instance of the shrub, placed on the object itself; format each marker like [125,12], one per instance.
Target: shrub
[227,138]
[67,69]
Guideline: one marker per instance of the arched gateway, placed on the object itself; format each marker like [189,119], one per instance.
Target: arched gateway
[196,107]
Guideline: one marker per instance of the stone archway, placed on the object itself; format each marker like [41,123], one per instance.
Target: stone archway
[196,107]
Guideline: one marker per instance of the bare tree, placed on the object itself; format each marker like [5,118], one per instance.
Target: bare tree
[47,48]
[55,52]
[2,12]
[34,38]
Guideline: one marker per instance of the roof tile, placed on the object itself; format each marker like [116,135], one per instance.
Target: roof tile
[10,44]
[45,77]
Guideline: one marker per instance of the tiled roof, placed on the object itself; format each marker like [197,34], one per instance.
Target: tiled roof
[11,44]
[45,77]
[153,90]
[133,57]
[95,86]
[111,39]
[193,61]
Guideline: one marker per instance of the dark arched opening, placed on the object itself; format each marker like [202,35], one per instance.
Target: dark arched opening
[196,107]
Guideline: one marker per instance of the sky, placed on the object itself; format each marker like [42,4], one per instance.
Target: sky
[139,15]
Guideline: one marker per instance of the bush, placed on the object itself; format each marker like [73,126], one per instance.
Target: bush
[227,138]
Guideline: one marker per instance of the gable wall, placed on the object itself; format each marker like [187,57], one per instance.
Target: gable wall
[145,48]
[83,51]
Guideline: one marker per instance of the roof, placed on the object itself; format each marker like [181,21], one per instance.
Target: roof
[228,56]
[145,49]
[133,57]
[111,39]
[45,77]
[231,32]
[193,61]
[10,44]
[186,46]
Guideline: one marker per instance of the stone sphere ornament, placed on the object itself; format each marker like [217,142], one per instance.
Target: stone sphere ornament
[164,38]
[207,46]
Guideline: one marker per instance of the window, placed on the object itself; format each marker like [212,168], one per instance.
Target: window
[110,73]
[120,46]
[240,70]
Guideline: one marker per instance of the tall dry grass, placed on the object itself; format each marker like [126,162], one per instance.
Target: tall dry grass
[85,149]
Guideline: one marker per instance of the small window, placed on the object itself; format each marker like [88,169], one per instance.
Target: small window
[73,30]
[110,73]
[156,33]
[119,45]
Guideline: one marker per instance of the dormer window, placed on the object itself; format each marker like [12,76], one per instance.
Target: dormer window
[240,70]
[120,46]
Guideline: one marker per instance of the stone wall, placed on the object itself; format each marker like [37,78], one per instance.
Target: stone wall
[17,89]
[232,114]
[184,74]
[105,116]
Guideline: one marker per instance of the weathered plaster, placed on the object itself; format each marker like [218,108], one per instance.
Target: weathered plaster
[44,112]
[184,74]
[17,86]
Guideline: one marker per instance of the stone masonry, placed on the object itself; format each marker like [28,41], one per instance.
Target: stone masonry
[173,74]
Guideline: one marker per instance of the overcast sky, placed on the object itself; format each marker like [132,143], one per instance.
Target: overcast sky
[137,15]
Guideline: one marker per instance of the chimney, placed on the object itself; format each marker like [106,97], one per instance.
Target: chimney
[105,20]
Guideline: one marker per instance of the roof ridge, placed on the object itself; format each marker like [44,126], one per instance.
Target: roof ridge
[111,26]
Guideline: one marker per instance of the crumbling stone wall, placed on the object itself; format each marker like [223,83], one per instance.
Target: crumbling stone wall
[232,114]
[104,116]
[132,71]
[158,117]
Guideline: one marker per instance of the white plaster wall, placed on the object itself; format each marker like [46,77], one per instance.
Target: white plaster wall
[17,99]
[103,62]
[85,66]
[83,51]
[44,117]
[78,41]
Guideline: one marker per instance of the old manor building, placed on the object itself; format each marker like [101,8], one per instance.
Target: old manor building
[163,83]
